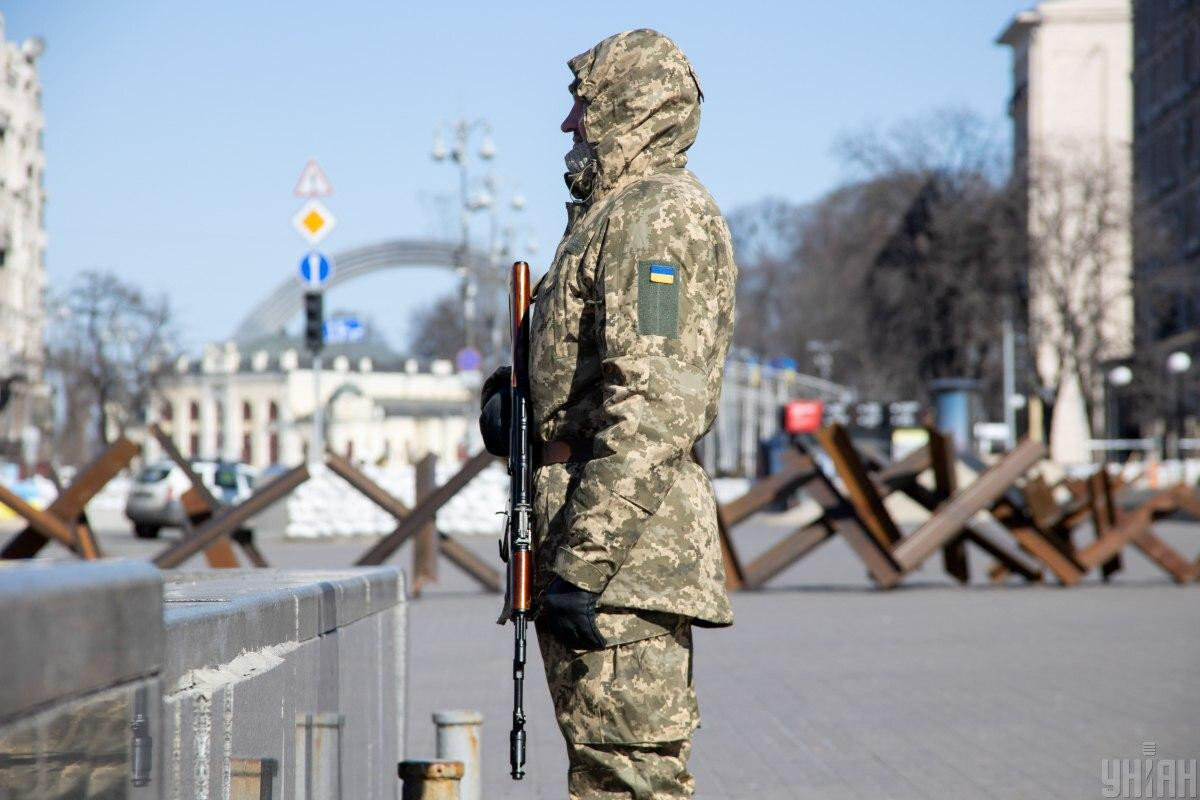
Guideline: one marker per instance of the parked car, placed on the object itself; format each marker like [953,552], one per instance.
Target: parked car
[153,502]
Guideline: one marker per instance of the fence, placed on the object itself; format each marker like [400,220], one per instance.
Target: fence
[751,397]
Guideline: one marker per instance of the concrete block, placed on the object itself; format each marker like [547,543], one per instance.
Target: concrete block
[95,734]
[211,617]
[250,652]
[75,627]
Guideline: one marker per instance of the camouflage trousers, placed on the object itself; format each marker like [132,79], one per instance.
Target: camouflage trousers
[628,711]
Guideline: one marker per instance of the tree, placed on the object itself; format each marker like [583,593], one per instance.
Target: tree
[904,269]
[437,330]
[1080,284]
[766,236]
[109,343]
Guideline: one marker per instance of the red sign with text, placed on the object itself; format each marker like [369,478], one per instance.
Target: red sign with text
[803,416]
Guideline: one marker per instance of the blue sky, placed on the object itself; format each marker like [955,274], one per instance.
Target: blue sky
[175,131]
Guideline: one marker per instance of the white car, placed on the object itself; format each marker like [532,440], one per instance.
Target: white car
[153,501]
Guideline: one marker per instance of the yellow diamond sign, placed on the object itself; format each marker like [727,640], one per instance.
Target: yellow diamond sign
[313,221]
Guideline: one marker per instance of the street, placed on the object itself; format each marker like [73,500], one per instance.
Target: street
[828,688]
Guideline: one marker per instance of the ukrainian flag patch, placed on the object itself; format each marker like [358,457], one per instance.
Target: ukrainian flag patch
[658,298]
[662,273]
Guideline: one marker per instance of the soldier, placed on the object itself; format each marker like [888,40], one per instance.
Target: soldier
[628,338]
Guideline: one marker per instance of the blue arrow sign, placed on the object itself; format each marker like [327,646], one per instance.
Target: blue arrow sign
[315,269]
[342,330]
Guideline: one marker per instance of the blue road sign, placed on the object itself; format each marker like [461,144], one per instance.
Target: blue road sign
[468,359]
[341,330]
[315,269]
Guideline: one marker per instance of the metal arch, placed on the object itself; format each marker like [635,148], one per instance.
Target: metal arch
[277,309]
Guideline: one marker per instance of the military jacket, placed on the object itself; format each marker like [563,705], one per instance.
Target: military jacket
[628,337]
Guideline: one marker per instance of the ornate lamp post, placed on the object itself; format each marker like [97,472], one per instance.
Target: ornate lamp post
[1178,363]
[469,203]
[1119,377]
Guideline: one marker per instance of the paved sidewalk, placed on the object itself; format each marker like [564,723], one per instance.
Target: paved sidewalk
[825,688]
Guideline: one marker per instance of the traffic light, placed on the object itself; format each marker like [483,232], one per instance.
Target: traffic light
[313,322]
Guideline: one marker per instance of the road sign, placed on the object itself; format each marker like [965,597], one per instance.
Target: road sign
[314,221]
[904,414]
[313,182]
[802,416]
[341,330]
[468,359]
[315,269]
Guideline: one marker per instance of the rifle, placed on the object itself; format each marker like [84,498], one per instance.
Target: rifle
[516,548]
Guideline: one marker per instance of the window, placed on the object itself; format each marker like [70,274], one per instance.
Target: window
[247,412]
[273,411]
[246,448]
[153,474]
[193,411]
[220,428]
[167,412]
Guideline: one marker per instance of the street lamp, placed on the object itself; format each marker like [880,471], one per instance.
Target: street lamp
[1178,363]
[822,356]
[1119,377]
[469,203]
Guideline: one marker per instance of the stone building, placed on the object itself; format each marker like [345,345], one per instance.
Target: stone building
[1166,154]
[24,401]
[1072,116]
[254,404]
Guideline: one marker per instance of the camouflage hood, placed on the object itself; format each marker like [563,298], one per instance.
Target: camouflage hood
[643,104]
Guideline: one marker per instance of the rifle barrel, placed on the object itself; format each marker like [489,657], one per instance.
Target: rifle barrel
[516,739]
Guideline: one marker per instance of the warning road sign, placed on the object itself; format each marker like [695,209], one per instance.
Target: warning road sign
[313,221]
[313,181]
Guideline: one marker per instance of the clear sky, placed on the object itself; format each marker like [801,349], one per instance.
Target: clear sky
[176,131]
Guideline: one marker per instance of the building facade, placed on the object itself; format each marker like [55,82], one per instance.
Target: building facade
[1166,91]
[255,405]
[22,250]
[1072,117]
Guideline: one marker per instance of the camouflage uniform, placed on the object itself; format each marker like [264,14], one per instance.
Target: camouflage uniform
[628,340]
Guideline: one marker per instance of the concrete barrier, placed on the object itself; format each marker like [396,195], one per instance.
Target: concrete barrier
[81,648]
[121,681]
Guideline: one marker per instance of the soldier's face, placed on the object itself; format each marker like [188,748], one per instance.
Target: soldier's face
[573,124]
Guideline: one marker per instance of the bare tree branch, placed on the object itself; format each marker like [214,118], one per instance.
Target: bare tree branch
[110,345]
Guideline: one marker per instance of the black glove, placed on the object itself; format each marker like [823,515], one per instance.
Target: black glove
[570,615]
[495,411]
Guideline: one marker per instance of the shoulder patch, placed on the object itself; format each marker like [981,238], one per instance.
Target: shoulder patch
[658,298]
